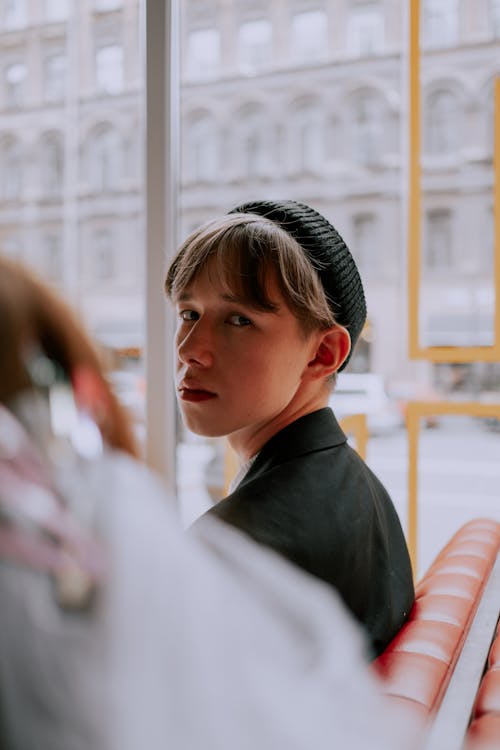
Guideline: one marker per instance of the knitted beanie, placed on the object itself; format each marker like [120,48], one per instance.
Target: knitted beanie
[328,254]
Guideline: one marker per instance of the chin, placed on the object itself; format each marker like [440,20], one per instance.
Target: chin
[203,430]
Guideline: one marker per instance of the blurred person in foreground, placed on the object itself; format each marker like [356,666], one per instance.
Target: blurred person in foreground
[269,306]
[117,630]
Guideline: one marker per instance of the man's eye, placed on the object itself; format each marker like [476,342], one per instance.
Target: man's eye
[188,315]
[239,320]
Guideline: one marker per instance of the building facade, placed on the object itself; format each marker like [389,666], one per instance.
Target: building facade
[304,99]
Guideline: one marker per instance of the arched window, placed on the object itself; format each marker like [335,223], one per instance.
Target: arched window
[52,164]
[104,159]
[365,245]
[103,255]
[52,247]
[442,120]
[308,134]
[368,124]
[12,173]
[54,75]
[15,76]
[254,132]
[201,149]
[438,254]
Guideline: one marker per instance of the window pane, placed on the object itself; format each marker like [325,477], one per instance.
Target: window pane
[54,77]
[309,35]
[14,13]
[443,123]
[202,53]
[366,31]
[15,76]
[495,17]
[52,165]
[56,10]
[109,69]
[440,27]
[71,163]
[254,44]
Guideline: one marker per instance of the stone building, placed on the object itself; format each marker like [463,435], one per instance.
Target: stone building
[305,99]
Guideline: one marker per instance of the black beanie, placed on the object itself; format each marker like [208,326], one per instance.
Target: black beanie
[328,254]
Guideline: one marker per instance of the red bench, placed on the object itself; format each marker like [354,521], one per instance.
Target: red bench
[418,664]
[484,730]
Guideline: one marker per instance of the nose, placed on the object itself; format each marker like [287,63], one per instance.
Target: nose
[195,346]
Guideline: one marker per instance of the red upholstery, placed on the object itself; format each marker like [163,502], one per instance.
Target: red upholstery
[484,731]
[488,695]
[416,666]
[494,655]
[416,677]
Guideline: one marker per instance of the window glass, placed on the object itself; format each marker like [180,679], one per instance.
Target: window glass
[53,257]
[309,35]
[495,17]
[71,158]
[439,240]
[254,44]
[367,128]
[201,149]
[104,158]
[443,123]
[308,136]
[12,169]
[440,23]
[52,165]
[104,261]
[365,243]
[54,77]
[15,76]
[56,10]
[14,13]
[203,52]
[107,4]
[253,143]
[109,69]
[365,31]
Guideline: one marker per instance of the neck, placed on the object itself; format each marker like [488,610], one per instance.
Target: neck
[248,441]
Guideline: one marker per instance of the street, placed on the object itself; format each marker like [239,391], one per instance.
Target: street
[459,478]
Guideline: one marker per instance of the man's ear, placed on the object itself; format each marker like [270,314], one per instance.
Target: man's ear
[333,349]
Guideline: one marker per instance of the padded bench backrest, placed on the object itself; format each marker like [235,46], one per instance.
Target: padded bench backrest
[416,666]
[484,730]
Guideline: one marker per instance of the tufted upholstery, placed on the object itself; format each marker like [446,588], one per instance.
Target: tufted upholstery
[484,731]
[417,665]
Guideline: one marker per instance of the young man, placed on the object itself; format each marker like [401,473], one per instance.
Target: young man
[269,305]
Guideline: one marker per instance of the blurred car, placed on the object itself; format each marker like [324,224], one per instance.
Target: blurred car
[364,393]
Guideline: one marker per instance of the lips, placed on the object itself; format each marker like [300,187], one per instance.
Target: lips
[194,395]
